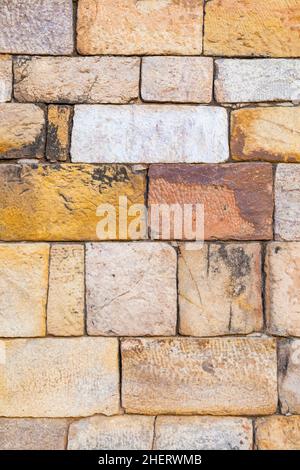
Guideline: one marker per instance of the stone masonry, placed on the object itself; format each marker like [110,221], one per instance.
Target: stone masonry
[119,329]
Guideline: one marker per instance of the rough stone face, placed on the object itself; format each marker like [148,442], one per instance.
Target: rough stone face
[77,79]
[278,433]
[177,79]
[58,135]
[5,78]
[289,376]
[112,433]
[236,198]
[149,133]
[65,309]
[220,289]
[140,27]
[283,289]
[59,377]
[202,433]
[287,202]
[33,434]
[253,80]
[59,202]
[242,28]
[263,134]
[131,289]
[23,289]
[22,131]
[199,376]
[36,27]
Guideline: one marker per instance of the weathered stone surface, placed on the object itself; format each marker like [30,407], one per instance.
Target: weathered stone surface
[149,133]
[178,79]
[33,434]
[253,80]
[112,433]
[140,27]
[36,27]
[23,289]
[247,28]
[22,131]
[77,79]
[278,433]
[131,289]
[220,289]
[270,134]
[59,202]
[199,376]
[5,78]
[202,433]
[287,202]
[58,133]
[289,376]
[236,198]
[283,289]
[59,377]
[65,309]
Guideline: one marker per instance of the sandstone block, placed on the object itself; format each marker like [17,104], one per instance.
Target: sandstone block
[23,289]
[230,376]
[254,80]
[65,308]
[287,202]
[59,377]
[77,79]
[60,202]
[220,289]
[131,289]
[149,133]
[236,198]
[127,27]
[112,433]
[177,79]
[22,131]
[289,376]
[36,27]
[278,433]
[58,133]
[5,78]
[202,433]
[283,289]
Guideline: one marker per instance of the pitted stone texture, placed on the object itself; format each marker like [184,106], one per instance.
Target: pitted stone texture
[220,289]
[278,433]
[60,202]
[23,289]
[287,202]
[5,78]
[149,133]
[36,27]
[223,376]
[65,309]
[77,79]
[58,132]
[22,131]
[131,289]
[128,27]
[237,199]
[202,433]
[33,434]
[270,134]
[177,79]
[283,289]
[289,376]
[112,433]
[59,377]
[252,28]
[254,80]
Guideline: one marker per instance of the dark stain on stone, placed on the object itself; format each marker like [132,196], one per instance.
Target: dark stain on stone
[236,259]
[208,367]
[107,178]
[277,249]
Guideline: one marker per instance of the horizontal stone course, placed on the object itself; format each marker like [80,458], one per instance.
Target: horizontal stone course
[149,133]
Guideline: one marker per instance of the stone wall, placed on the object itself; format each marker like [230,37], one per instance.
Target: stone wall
[149,342]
